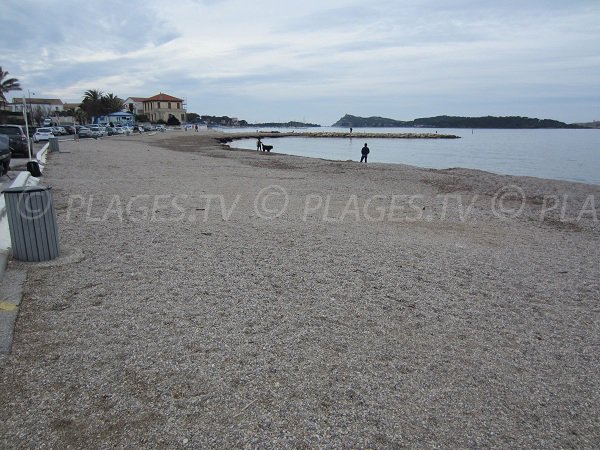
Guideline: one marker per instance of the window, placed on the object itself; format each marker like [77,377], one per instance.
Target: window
[169,105]
[178,107]
[158,105]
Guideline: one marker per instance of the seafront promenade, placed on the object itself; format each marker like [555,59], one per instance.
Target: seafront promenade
[209,297]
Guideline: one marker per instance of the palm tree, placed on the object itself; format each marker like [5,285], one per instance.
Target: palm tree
[10,84]
[94,95]
[92,103]
[112,103]
[80,115]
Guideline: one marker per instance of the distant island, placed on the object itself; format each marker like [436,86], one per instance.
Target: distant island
[226,121]
[291,124]
[453,122]
[594,124]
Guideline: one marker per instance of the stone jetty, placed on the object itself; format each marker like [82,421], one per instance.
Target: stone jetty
[336,134]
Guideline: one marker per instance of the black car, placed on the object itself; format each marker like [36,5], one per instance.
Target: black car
[70,129]
[4,154]
[17,139]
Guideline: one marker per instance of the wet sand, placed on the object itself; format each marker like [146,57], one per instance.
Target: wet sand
[209,297]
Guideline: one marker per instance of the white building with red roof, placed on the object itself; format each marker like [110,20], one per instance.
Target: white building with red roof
[134,105]
[163,106]
[48,105]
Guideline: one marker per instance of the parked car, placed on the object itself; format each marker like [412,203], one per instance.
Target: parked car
[4,154]
[58,131]
[110,131]
[43,134]
[18,141]
[95,130]
[70,129]
[84,132]
[119,130]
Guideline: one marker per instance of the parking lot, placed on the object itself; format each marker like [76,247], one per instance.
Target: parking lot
[18,164]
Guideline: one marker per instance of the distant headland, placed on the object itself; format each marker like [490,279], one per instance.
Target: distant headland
[453,122]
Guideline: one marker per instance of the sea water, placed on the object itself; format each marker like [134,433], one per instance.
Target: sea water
[561,154]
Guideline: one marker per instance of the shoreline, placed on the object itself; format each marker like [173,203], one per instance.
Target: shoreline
[225,298]
[333,134]
[229,142]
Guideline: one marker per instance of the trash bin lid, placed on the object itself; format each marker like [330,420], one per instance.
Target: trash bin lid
[21,189]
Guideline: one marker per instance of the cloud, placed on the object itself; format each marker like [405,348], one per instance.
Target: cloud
[387,56]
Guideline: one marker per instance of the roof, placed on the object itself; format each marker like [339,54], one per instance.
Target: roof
[163,98]
[137,99]
[121,113]
[38,101]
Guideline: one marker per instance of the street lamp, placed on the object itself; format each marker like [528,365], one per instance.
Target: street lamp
[30,106]
[27,128]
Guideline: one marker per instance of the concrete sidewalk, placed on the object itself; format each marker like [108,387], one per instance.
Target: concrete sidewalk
[11,283]
[11,288]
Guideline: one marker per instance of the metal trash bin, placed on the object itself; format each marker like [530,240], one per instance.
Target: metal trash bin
[32,223]
[53,144]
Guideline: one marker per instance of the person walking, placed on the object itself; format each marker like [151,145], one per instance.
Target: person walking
[364,152]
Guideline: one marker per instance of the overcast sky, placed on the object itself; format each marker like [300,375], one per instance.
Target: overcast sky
[315,60]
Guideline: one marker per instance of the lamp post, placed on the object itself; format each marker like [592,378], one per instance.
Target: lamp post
[27,128]
[30,107]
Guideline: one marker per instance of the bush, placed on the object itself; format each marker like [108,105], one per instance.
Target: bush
[12,118]
[173,121]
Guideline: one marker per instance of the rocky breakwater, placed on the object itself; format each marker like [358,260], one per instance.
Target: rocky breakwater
[337,134]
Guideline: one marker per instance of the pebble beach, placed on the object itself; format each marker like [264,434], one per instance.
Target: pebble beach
[208,297]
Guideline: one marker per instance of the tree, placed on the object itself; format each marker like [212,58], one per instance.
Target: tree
[112,103]
[80,116]
[173,121]
[95,103]
[92,103]
[193,117]
[10,84]
[39,112]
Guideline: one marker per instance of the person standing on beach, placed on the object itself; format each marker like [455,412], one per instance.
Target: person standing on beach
[258,145]
[364,152]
